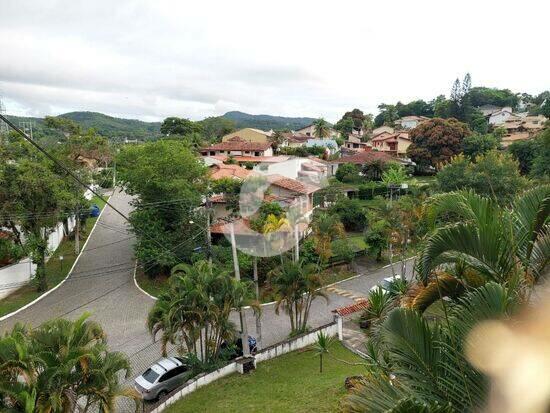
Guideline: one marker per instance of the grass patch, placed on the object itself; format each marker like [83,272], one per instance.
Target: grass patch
[153,286]
[56,270]
[289,383]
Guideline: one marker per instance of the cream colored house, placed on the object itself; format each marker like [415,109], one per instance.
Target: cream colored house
[310,131]
[249,134]
[395,144]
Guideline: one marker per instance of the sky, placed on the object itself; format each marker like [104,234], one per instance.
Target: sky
[153,59]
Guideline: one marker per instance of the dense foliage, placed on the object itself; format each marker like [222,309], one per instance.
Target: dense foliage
[436,141]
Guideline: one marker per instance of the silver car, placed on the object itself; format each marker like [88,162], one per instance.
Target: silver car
[162,377]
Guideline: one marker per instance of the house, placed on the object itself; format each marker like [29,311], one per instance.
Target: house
[364,158]
[395,144]
[382,129]
[410,122]
[221,171]
[523,128]
[353,143]
[310,131]
[249,134]
[295,140]
[500,116]
[294,168]
[236,146]
[488,110]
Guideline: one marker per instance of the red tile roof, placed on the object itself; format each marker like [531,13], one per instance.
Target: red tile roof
[385,136]
[364,157]
[221,171]
[352,308]
[291,184]
[238,144]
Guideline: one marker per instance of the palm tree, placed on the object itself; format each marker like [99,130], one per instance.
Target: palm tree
[325,229]
[499,244]
[53,367]
[321,347]
[277,139]
[423,364]
[296,285]
[322,128]
[193,313]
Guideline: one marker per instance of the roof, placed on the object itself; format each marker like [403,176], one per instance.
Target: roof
[412,117]
[264,159]
[238,144]
[362,158]
[352,308]
[385,136]
[221,171]
[291,184]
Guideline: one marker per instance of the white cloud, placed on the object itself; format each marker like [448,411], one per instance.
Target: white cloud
[298,58]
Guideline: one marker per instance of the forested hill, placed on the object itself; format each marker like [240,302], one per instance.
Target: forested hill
[267,122]
[111,127]
[115,127]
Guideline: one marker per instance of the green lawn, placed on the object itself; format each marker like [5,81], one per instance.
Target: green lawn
[153,286]
[289,383]
[55,271]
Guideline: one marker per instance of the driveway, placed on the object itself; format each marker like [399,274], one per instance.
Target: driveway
[102,284]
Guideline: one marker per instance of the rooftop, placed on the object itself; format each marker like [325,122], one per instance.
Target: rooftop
[238,144]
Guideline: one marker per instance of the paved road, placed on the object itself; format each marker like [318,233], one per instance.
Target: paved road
[102,284]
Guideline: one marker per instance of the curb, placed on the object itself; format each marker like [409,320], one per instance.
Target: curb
[247,307]
[139,288]
[5,317]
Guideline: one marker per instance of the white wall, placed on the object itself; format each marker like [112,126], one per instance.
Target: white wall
[16,275]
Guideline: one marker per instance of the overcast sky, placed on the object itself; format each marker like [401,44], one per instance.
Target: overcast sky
[153,59]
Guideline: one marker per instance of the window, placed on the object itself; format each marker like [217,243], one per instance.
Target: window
[173,373]
[150,375]
[257,153]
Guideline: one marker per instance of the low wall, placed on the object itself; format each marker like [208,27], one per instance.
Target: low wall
[268,353]
[16,275]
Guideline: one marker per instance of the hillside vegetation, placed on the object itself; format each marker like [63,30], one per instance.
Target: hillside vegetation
[267,122]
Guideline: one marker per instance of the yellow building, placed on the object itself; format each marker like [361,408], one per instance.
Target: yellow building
[249,134]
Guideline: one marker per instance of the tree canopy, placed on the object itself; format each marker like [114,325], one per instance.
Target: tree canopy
[179,126]
[437,140]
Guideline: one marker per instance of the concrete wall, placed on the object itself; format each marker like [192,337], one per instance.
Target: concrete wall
[265,354]
[16,275]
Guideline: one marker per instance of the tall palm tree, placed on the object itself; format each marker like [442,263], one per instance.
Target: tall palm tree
[193,313]
[296,285]
[422,365]
[499,244]
[322,128]
[326,228]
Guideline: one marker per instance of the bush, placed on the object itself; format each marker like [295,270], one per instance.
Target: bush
[351,213]
[372,189]
[342,251]
[348,173]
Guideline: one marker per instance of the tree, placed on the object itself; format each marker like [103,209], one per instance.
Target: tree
[477,144]
[214,127]
[321,347]
[421,366]
[494,175]
[193,313]
[351,213]
[296,285]
[326,228]
[388,113]
[480,96]
[525,152]
[436,141]
[345,126]
[354,119]
[395,174]
[59,364]
[168,181]
[35,198]
[66,126]
[414,108]
[377,237]
[348,173]
[541,162]
[322,128]
[500,244]
[179,126]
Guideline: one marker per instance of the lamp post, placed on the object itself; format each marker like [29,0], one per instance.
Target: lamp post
[61,262]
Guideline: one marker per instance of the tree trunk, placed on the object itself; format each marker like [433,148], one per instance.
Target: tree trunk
[321,363]
[258,317]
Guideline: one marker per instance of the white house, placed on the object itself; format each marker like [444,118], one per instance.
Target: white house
[501,116]
[410,122]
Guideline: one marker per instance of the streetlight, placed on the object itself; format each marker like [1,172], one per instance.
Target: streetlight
[61,261]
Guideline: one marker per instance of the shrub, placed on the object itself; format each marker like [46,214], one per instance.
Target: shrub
[351,213]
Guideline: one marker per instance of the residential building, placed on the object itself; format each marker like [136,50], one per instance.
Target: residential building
[395,144]
[249,134]
[366,157]
[382,129]
[410,122]
[522,128]
[500,116]
[310,131]
[488,110]
[354,143]
[237,146]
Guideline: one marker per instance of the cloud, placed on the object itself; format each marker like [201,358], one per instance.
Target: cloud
[155,59]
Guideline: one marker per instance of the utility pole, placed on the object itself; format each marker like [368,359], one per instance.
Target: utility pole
[114,174]
[296,243]
[242,315]
[258,316]
[77,231]
[208,233]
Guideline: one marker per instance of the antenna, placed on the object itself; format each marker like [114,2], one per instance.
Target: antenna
[4,128]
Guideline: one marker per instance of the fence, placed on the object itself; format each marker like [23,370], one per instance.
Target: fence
[268,353]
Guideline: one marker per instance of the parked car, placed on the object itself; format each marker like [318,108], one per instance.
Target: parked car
[162,377]
[386,282]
